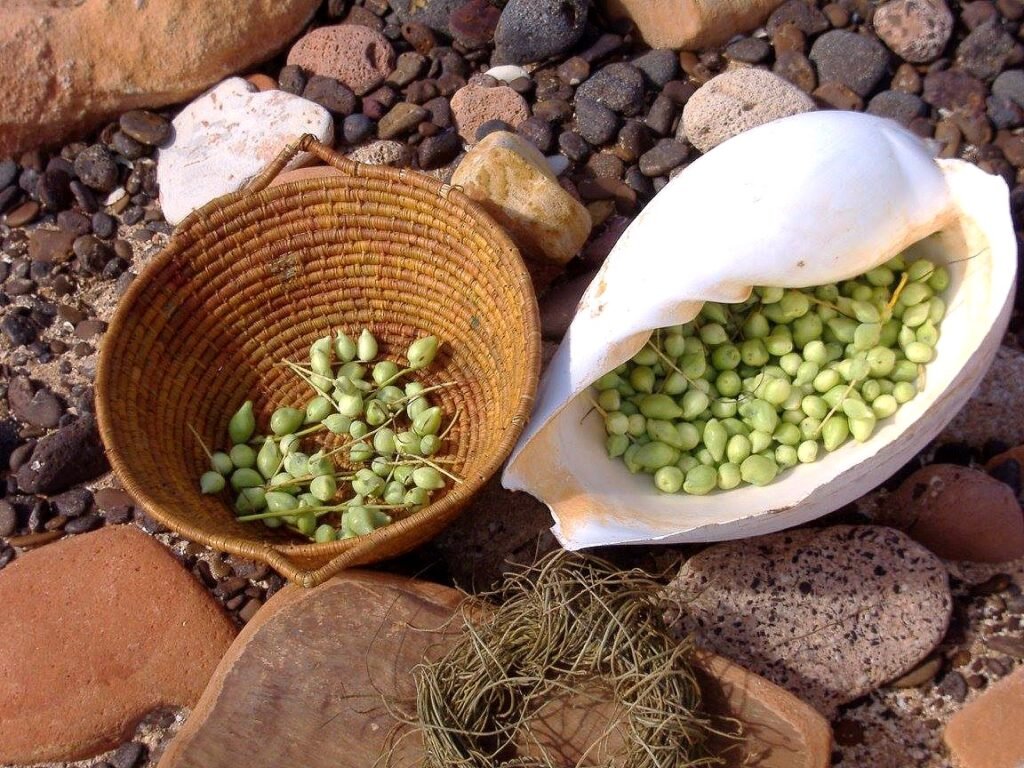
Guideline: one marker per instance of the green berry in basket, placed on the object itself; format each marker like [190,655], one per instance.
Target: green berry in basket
[269,459]
[366,347]
[211,482]
[344,347]
[242,424]
[745,391]
[422,352]
[286,420]
[221,462]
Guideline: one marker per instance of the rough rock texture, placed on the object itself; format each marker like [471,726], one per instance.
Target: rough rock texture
[857,61]
[227,136]
[512,180]
[382,153]
[99,629]
[533,30]
[960,514]
[434,13]
[691,24]
[72,454]
[993,412]
[357,56]
[915,30]
[166,51]
[474,105]
[737,101]
[987,733]
[830,614]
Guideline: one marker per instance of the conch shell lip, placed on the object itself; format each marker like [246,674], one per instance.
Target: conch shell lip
[947,210]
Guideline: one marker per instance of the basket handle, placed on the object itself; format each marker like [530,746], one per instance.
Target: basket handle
[305,143]
[282,564]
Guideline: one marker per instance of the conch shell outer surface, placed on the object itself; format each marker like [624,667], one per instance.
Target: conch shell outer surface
[807,200]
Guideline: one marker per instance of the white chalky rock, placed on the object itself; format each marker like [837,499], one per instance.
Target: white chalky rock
[226,137]
[506,73]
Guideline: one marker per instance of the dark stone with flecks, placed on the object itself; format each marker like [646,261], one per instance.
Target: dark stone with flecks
[71,455]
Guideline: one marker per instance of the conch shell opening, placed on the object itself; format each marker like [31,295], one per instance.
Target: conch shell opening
[812,199]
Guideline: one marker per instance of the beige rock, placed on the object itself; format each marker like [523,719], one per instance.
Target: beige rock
[737,101]
[474,105]
[99,629]
[511,179]
[987,733]
[67,66]
[383,152]
[691,24]
[960,514]
[915,30]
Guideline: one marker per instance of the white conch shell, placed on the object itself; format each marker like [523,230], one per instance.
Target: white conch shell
[811,199]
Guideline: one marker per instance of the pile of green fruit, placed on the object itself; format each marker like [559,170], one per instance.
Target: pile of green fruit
[385,466]
[745,391]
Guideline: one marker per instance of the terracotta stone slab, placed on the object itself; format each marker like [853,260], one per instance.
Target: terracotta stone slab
[99,629]
[987,732]
[306,681]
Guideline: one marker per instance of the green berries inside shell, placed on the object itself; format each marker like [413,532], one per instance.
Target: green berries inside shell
[745,391]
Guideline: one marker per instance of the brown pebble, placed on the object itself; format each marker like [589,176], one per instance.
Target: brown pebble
[921,675]
[1000,582]
[837,15]
[262,82]
[1011,646]
[34,539]
[906,79]
[960,659]
[833,94]
[22,215]
[249,610]
[788,37]
[848,733]
[89,328]
[976,682]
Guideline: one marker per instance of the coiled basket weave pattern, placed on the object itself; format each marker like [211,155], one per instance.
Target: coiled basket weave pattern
[254,278]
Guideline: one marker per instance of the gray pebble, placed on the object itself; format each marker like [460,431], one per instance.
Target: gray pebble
[897,105]
[856,61]
[534,30]
[595,122]
[8,518]
[659,66]
[619,87]
[666,155]
[96,168]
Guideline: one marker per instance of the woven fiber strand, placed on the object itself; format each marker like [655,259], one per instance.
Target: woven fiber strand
[254,278]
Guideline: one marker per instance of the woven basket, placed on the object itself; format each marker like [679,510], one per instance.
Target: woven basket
[255,277]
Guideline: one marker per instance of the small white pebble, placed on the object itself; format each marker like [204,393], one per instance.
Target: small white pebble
[507,72]
[114,196]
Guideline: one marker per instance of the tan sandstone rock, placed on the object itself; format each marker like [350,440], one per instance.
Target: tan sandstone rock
[99,629]
[691,24]
[66,67]
[987,733]
[511,179]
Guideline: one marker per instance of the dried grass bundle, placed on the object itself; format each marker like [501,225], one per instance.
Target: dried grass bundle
[569,625]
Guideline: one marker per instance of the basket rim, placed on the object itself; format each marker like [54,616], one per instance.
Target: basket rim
[346,552]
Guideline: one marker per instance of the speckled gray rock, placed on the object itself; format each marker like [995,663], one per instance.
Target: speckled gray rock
[660,65]
[830,614]
[534,30]
[382,153]
[1010,84]
[595,122]
[897,105]
[857,61]
[433,13]
[620,87]
[737,101]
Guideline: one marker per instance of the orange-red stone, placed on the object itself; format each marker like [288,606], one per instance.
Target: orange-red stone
[987,732]
[99,629]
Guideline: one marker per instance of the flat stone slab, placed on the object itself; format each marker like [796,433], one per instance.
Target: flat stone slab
[987,732]
[829,614]
[99,629]
[311,678]
[226,137]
